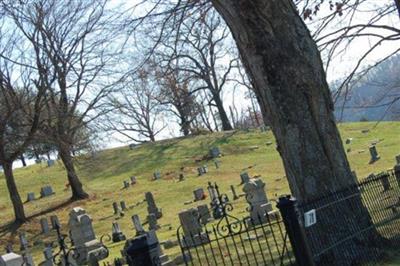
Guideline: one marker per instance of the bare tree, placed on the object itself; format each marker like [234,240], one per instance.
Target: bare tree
[136,109]
[20,106]
[70,41]
[202,50]
[175,92]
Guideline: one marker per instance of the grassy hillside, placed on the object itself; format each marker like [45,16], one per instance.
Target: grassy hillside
[104,173]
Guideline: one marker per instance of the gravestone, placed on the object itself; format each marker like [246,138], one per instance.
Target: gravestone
[157,175]
[205,169]
[44,225]
[31,196]
[257,199]
[123,205]
[117,235]
[217,164]
[204,213]
[193,234]
[214,152]
[152,220]
[151,205]
[54,222]
[181,177]
[11,259]
[348,140]
[216,208]
[133,180]
[115,207]
[126,184]
[138,225]
[385,182]
[87,247]
[143,250]
[46,191]
[374,154]
[244,178]
[235,196]
[48,256]
[200,171]
[199,194]
[50,163]
[23,241]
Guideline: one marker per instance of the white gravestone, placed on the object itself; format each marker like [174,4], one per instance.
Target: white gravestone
[11,259]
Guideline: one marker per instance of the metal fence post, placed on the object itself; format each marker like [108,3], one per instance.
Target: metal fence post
[295,230]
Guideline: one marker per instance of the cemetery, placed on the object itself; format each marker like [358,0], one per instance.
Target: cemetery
[152,210]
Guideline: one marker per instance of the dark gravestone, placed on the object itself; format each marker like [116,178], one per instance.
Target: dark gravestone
[46,191]
[117,235]
[123,205]
[115,207]
[30,196]
[244,178]
[204,213]
[151,205]
[152,221]
[374,154]
[54,222]
[126,184]
[44,224]
[199,194]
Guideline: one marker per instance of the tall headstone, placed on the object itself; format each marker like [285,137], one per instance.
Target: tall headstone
[126,184]
[193,234]
[117,235]
[138,225]
[244,178]
[48,256]
[235,196]
[11,259]
[181,177]
[115,207]
[123,205]
[199,194]
[151,205]
[87,247]
[215,203]
[257,199]
[54,222]
[200,171]
[204,213]
[374,153]
[23,241]
[133,180]
[152,220]
[44,224]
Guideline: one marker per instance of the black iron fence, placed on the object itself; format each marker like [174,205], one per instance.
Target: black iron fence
[237,241]
[355,226]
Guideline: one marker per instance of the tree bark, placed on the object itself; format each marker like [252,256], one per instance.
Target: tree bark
[74,182]
[14,194]
[22,158]
[398,6]
[226,124]
[284,63]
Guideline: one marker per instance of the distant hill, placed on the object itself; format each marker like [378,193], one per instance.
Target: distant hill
[375,97]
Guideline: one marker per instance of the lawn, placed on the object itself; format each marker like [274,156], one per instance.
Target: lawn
[103,174]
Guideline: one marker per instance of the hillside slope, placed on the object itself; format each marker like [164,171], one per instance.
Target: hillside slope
[103,176]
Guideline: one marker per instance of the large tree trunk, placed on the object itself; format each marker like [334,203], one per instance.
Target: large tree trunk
[14,194]
[226,124]
[76,185]
[283,61]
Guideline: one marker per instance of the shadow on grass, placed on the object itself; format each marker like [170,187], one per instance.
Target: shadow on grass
[13,227]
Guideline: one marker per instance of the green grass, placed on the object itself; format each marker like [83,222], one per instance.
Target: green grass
[103,176]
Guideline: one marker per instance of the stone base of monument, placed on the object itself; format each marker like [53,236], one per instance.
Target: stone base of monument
[259,214]
[92,250]
[11,259]
[196,240]
[118,237]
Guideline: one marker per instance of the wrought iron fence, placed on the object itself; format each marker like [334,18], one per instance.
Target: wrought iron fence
[236,241]
[357,225]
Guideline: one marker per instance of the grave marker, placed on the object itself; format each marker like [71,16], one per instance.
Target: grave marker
[374,154]
[115,208]
[123,205]
[54,222]
[244,177]
[46,191]
[138,225]
[117,235]
[199,194]
[193,234]
[151,205]
[44,225]
[157,175]
[31,196]
[23,241]
[126,184]
[48,256]
[133,180]
[257,199]
[152,220]
[204,213]
[11,259]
